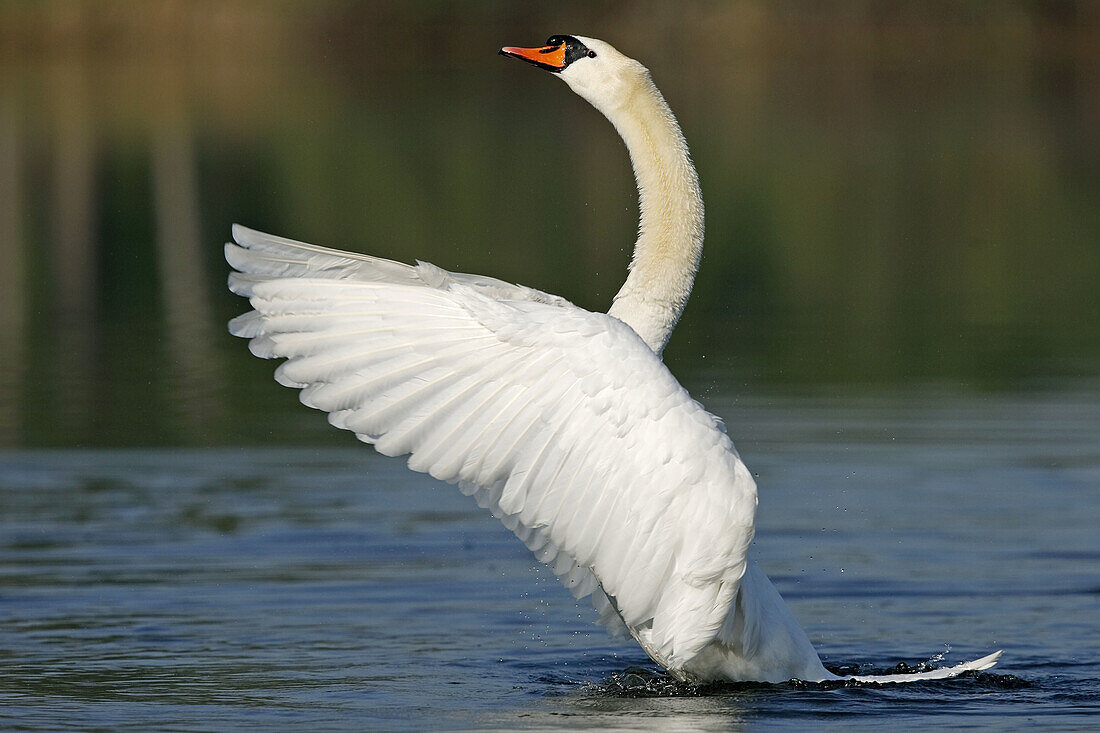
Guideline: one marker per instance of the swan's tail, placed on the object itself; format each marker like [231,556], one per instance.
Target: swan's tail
[942,673]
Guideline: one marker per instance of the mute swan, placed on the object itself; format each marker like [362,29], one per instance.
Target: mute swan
[564,423]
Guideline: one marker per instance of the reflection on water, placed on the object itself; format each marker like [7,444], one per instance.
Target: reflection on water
[189,320]
[178,589]
[13,316]
[895,192]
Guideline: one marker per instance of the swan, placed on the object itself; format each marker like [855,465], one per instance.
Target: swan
[564,423]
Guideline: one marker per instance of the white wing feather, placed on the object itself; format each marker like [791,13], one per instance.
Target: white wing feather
[270,256]
[562,422]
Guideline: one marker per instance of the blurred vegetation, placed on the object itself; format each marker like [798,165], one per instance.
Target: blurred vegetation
[897,193]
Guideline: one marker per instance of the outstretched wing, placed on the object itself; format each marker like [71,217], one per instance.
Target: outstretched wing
[562,422]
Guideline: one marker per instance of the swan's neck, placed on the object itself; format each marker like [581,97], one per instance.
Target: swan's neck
[670,231]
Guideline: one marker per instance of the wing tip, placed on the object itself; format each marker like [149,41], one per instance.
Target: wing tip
[241,234]
[987,661]
[247,325]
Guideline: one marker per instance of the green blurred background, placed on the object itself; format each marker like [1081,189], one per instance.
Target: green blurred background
[898,193]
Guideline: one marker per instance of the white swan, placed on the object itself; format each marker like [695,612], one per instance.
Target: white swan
[564,423]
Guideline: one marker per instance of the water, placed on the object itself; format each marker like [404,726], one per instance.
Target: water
[897,194]
[330,588]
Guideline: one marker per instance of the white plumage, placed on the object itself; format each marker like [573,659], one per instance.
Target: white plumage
[564,423]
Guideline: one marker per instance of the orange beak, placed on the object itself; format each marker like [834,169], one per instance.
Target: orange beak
[551,58]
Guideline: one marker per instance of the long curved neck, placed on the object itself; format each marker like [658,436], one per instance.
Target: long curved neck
[670,230]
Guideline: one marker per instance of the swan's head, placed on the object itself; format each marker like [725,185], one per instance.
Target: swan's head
[592,68]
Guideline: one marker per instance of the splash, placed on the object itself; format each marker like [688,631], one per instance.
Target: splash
[644,682]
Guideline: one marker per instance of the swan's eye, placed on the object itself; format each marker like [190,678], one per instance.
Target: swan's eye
[591,54]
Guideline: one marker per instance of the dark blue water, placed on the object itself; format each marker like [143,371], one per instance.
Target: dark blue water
[333,589]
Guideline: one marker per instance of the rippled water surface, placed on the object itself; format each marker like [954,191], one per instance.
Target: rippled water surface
[897,194]
[332,588]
